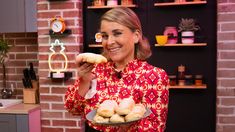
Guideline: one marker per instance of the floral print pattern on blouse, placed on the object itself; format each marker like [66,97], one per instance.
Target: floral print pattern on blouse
[143,82]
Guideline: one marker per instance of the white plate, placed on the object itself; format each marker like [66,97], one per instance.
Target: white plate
[92,113]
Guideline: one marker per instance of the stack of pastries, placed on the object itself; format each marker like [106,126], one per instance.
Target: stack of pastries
[111,112]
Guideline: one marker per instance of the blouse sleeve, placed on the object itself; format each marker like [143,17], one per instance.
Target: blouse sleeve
[74,103]
[156,98]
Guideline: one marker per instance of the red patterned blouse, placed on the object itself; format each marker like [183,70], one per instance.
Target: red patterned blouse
[145,83]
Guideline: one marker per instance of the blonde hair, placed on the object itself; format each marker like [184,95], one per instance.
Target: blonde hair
[128,18]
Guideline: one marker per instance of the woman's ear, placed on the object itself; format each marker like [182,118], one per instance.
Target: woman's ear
[137,36]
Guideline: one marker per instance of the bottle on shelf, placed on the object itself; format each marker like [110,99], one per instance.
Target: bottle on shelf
[181,75]
[198,80]
[127,2]
[98,2]
[172,80]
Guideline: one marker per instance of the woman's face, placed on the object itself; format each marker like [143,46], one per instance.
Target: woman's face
[118,41]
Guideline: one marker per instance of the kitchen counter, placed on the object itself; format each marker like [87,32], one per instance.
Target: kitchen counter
[20,109]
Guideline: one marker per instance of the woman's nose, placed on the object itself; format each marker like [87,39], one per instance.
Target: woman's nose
[110,40]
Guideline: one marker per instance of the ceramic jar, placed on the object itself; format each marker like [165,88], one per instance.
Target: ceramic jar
[187,37]
[112,2]
[127,2]
[172,34]
[99,2]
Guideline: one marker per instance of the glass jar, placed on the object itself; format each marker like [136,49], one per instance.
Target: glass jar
[181,75]
[99,2]
[188,79]
[198,80]
[172,34]
[112,2]
[127,2]
[172,80]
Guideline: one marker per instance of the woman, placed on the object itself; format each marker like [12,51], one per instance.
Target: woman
[126,74]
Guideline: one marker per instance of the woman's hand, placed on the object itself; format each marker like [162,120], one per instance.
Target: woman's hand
[85,75]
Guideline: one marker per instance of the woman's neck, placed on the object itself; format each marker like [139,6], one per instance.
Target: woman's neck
[119,66]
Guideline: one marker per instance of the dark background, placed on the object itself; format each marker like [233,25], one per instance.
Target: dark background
[190,110]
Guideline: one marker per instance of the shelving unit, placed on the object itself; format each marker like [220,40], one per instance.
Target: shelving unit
[179,45]
[204,86]
[102,7]
[180,3]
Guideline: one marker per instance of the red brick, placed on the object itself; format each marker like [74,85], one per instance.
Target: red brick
[18,49]
[45,122]
[227,119]
[71,14]
[226,73]
[226,64]
[226,17]
[43,23]
[226,8]
[228,101]
[42,6]
[225,111]
[44,106]
[44,40]
[227,26]
[32,48]
[228,82]
[57,107]
[73,130]
[226,36]
[228,128]
[51,98]
[46,129]
[27,56]
[51,114]
[15,35]
[63,123]
[28,41]
[71,116]
[49,14]
[226,46]
[227,55]
[60,5]
[44,90]
[227,92]
[59,90]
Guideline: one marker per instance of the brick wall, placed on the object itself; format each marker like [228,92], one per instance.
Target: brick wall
[226,66]
[24,49]
[54,117]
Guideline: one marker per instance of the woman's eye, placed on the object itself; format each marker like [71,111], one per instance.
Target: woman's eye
[105,37]
[117,33]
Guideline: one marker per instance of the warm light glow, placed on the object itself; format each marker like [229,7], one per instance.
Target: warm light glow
[57,43]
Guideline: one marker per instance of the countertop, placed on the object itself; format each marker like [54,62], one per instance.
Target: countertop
[20,109]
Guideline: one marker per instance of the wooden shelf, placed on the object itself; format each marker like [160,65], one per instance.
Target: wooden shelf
[179,44]
[94,45]
[204,86]
[180,3]
[102,7]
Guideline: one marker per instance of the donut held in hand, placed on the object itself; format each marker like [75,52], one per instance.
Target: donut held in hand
[91,58]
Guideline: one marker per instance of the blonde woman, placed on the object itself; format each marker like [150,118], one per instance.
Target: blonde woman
[126,74]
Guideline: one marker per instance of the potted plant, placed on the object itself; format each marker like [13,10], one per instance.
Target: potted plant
[187,27]
[4,48]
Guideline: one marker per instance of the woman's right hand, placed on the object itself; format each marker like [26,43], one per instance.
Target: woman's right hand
[84,71]
[85,75]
